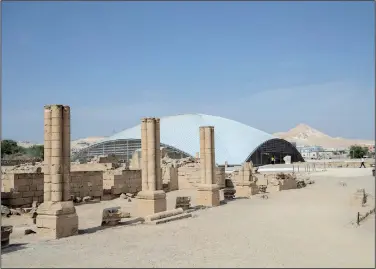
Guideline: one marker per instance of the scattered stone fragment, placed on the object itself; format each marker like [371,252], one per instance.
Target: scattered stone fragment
[123,196]
[183,202]
[15,212]
[29,231]
[5,211]
[130,195]
[86,199]
[26,210]
[111,216]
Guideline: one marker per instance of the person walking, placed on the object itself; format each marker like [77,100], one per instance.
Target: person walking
[273,160]
[362,163]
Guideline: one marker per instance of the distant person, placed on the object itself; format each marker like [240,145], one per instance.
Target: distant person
[273,160]
[362,163]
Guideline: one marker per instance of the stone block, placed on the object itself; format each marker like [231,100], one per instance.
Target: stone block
[273,188]
[183,202]
[23,188]
[57,219]
[111,216]
[242,192]
[151,202]
[27,194]
[208,195]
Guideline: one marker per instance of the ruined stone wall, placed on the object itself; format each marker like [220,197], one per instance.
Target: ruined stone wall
[92,167]
[189,176]
[116,182]
[135,162]
[170,177]
[87,183]
[21,189]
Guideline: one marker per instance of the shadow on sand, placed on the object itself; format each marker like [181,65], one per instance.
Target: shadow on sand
[12,247]
[129,222]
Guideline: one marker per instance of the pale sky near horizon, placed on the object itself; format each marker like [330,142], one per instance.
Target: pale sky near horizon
[271,65]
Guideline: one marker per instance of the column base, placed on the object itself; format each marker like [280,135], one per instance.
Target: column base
[242,192]
[57,219]
[208,195]
[151,202]
[273,188]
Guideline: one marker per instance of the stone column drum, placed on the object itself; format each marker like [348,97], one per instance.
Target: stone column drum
[152,198]
[57,215]
[208,190]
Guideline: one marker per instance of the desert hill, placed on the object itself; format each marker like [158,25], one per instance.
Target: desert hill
[303,134]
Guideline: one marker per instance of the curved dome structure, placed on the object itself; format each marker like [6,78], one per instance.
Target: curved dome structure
[234,142]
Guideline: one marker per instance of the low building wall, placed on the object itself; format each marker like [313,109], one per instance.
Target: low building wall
[116,182]
[170,177]
[21,189]
[87,183]
[189,176]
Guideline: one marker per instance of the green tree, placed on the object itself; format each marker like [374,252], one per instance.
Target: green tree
[35,151]
[357,152]
[9,147]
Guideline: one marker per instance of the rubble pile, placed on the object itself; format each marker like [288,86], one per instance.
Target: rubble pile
[34,167]
[168,162]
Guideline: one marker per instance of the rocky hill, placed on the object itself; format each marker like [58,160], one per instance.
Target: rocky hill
[303,134]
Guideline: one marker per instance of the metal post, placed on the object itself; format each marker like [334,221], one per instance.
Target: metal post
[358,218]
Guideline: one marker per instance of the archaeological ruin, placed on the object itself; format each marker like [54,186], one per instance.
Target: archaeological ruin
[51,189]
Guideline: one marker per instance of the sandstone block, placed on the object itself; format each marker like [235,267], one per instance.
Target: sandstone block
[57,219]
[27,194]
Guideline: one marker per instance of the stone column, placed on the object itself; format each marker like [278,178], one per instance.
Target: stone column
[56,154]
[47,154]
[202,155]
[57,215]
[245,185]
[152,198]
[159,183]
[208,190]
[66,154]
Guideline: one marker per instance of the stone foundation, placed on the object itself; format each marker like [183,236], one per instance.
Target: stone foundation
[208,195]
[151,202]
[57,219]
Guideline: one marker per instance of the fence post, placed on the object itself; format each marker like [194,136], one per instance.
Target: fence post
[358,218]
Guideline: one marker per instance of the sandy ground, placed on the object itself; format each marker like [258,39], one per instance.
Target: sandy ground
[308,227]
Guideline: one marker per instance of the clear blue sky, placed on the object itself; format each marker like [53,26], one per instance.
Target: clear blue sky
[270,65]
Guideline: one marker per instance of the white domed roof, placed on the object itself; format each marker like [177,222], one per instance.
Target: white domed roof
[234,141]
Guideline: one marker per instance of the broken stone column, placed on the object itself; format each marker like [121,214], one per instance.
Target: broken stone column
[57,216]
[245,185]
[152,198]
[208,190]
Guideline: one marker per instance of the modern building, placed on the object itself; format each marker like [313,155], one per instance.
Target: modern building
[235,142]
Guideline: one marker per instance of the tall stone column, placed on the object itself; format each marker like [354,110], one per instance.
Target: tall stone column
[208,190]
[47,154]
[152,198]
[56,154]
[66,154]
[57,215]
